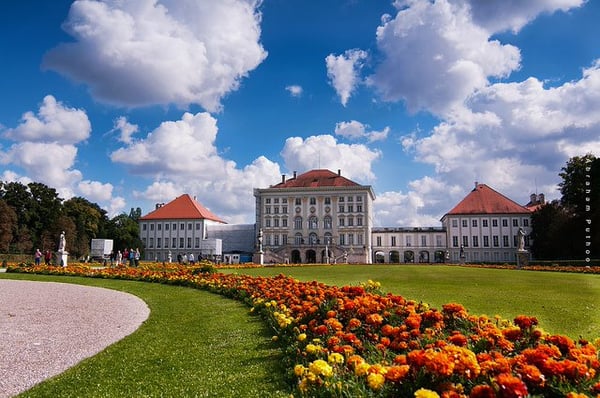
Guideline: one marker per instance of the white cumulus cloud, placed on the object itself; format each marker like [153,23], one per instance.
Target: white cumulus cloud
[344,72]
[143,52]
[324,152]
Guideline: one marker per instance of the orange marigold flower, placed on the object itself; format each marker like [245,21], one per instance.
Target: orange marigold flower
[576,395]
[458,339]
[512,333]
[454,309]
[531,374]
[511,386]
[354,323]
[355,360]
[525,322]
[413,321]
[374,319]
[387,330]
[564,343]
[482,391]
[397,373]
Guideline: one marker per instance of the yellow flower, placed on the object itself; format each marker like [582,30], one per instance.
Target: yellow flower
[312,348]
[425,393]
[320,367]
[335,358]
[375,381]
[301,337]
[362,369]
[299,370]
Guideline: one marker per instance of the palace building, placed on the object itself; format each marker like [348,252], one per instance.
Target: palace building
[323,217]
[316,217]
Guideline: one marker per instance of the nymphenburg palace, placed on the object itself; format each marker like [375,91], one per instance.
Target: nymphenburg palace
[323,217]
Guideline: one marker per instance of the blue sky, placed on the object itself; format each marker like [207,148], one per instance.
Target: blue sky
[133,103]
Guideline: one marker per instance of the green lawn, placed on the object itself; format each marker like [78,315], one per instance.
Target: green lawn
[194,344]
[564,303]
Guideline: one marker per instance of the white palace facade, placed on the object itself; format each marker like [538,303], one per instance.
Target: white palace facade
[323,217]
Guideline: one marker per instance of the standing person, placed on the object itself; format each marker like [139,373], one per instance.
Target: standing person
[47,257]
[179,258]
[38,256]
[136,257]
[170,257]
[131,257]
[119,258]
[125,256]
[191,258]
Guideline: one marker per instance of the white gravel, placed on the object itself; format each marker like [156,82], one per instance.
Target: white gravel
[47,327]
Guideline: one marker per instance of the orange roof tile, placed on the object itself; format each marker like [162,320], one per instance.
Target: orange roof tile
[484,200]
[183,207]
[316,178]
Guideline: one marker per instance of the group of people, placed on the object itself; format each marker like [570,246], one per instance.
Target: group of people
[46,255]
[185,258]
[129,257]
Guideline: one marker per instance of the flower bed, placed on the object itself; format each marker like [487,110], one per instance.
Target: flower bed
[356,341]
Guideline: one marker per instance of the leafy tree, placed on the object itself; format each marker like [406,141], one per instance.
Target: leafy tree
[8,223]
[125,232]
[90,222]
[45,209]
[566,229]
[549,224]
[135,214]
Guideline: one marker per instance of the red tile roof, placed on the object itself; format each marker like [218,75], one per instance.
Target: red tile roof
[183,207]
[316,178]
[484,200]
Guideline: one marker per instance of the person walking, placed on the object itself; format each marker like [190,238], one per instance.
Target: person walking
[47,257]
[38,257]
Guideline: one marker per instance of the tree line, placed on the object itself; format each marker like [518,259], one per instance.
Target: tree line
[569,228]
[32,217]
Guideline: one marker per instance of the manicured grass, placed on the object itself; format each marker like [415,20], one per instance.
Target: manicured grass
[194,344]
[564,303]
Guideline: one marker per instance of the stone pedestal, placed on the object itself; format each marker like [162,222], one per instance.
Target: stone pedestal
[522,258]
[62,258]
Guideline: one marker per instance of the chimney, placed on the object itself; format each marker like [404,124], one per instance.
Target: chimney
[542,198]
[158,206]
[476,184]
[283,178]
[294,173]
[339,172]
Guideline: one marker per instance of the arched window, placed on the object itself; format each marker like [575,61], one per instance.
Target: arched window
[298,239]
[327,222]
[313,222]
[313,238]
[328,238]
[298,223]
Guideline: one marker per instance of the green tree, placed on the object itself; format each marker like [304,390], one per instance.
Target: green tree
[90,222]
[566,229]
[125,232]
[45,208]
[8,224]
[549,225]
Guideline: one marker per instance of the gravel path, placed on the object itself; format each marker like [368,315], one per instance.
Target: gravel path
[47,327]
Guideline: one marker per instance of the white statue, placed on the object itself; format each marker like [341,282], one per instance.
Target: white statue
[62,242]
[521,240]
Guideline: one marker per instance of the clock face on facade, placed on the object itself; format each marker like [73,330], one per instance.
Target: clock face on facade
[312,209]
[297,209]
[327,209]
